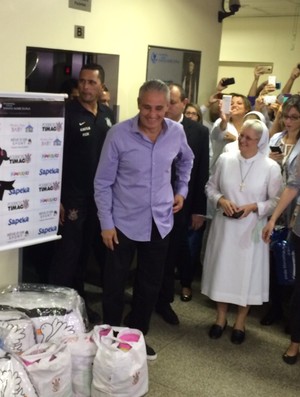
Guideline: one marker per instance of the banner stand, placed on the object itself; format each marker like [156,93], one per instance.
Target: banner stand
[31,152]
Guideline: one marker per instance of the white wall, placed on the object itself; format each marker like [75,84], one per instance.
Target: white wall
[258,40]
[124,27]
[9,267]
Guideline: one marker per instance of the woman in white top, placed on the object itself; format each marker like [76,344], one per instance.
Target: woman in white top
[236,263]
[226,129]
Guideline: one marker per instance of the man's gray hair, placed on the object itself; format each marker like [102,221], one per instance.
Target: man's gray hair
[155,85]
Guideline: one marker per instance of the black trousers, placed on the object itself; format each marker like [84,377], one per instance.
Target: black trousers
[80,234]
[190,257]
[151,256]
[295,304]
[178,251]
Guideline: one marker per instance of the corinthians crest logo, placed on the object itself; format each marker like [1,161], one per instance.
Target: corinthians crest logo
[73,215]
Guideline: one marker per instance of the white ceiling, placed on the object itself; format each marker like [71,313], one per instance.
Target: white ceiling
[267,8]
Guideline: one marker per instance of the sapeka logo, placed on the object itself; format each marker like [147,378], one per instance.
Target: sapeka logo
[17,221]
[48,171]
[20,190]
[47,230]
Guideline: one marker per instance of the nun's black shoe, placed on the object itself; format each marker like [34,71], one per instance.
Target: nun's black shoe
[290,359]
[216,331]
[238,336]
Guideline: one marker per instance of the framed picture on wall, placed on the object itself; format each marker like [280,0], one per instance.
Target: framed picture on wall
[173,65]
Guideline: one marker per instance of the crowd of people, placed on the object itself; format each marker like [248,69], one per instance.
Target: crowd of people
[153,185]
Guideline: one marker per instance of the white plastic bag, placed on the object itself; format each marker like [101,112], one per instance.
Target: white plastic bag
[54,311]
[83,350]
[53,327]
[120,365]
[49,367]
[14,380]
[18,330]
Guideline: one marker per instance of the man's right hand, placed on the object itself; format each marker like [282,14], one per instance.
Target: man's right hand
[110,238]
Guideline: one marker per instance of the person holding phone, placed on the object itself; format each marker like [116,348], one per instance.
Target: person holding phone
[295,73]
[227,127]
[284,149]
[236,267]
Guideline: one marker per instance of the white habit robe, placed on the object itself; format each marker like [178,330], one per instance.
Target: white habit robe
[236,263]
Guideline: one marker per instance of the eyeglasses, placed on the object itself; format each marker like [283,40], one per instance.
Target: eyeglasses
[191,114]
[292,118]
[247,138]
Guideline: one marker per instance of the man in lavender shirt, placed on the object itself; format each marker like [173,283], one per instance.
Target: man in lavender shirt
[136,203]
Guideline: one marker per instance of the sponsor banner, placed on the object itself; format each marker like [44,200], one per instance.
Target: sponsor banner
[31,148]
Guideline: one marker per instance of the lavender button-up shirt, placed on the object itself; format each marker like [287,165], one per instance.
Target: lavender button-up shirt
[133,178]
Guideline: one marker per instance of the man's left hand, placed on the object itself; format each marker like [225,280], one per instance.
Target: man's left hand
[178,203]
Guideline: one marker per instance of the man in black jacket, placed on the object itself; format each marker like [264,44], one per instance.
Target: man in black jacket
[86,125]
[192,216]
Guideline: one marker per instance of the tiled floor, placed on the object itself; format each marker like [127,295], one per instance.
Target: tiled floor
[190,364]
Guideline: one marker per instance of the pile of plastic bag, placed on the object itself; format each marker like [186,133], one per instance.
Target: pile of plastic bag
[46,351]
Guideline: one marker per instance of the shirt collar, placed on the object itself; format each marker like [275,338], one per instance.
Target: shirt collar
[136,128]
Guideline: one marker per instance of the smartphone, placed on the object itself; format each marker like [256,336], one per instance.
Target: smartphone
[275,149]
[272,80]
[267,69]
[235,215]
[283,98]
[278,86]
[228,81]
[226,104]
[269,99]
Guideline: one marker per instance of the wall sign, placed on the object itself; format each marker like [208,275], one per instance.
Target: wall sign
[83,5]
[175,66]
[79,31]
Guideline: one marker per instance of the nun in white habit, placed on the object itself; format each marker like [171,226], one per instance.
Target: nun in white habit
[244,189]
